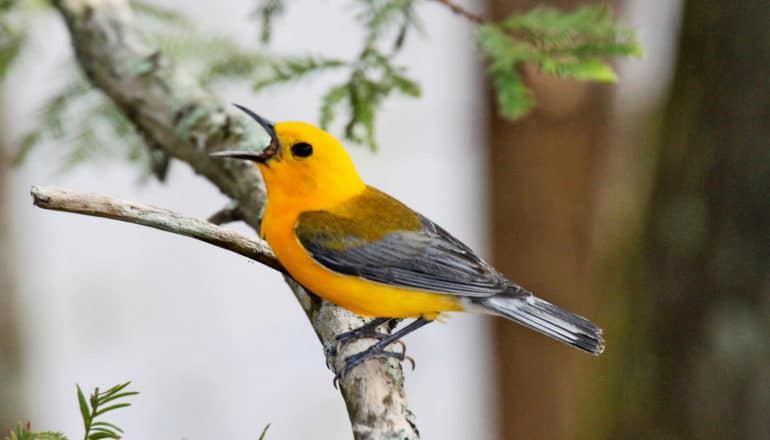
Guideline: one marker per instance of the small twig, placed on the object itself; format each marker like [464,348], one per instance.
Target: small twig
[459,10]
[229,214]
[59,199]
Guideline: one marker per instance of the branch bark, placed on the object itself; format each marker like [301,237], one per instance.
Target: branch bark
[97,205]
[177,116]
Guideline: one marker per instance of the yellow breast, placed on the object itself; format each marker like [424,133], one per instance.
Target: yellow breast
[358,295]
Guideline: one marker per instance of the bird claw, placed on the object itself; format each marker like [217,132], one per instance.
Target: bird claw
[344,340]
[410,359]
[365,355]
[378,349]
[366,331]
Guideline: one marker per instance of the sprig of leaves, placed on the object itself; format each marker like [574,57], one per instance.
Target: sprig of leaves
[12,34]
[292,69]
[24,432]
[95,406]
[387,20]
[98,404]
[264,432]
[81,119]
[85,126]
[371,77]
[572,45]
[267,11]
[569,45]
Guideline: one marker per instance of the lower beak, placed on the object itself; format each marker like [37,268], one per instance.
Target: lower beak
[247,155]
[260,157]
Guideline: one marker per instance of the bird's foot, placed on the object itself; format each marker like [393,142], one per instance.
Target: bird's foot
[345,339]
[366,331]
[378,349]
[370,353]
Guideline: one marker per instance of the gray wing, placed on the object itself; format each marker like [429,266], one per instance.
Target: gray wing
[428,259]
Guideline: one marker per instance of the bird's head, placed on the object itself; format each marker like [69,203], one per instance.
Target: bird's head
[301,160]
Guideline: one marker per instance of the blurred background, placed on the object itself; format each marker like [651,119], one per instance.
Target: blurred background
[643,205]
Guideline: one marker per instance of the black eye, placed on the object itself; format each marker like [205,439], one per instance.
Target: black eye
[302,149]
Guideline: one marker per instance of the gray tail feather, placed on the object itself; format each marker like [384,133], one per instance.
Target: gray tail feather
[522,307]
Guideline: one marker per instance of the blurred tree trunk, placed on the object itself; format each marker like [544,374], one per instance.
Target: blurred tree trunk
[706,347]
[10,358]
[545,171]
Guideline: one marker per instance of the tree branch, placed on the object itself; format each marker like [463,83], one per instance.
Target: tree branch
[461,11]
[177,116]
[97,205]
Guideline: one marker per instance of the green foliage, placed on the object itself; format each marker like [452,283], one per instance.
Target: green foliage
[12,34]
[267,11]
[569,45]
[371,77]
[92,407]
[85,125]
[264,432]
[371,80]
[24,432]
[212,59]
[11,43]
[97,405]
[292,69]
[163,16]
[387,18]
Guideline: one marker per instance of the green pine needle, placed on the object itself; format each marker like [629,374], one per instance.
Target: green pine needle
[163,16]
[85,126]
[386,20]
[267,11]
[570,45]
[24,432]
[330,103]
[372,78]
[264,432]
[49,435]
[293,69]
[79,124]
[12,33]
[96,405]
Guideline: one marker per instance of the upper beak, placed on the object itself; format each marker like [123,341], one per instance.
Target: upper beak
[255,156]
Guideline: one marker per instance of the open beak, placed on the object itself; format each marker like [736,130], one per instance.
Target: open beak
[254,156]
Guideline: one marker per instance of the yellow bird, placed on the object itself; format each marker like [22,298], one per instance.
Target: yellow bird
[369,253]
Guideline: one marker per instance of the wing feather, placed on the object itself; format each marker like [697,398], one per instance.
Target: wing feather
[418,255]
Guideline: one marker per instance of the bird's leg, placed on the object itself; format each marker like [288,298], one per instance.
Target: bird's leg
[365,331]
[378,349]
[368,330]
